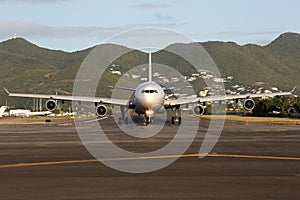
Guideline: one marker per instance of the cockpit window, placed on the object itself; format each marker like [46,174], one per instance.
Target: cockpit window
[149,91]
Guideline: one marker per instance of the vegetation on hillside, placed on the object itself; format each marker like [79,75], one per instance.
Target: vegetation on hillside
[25,67]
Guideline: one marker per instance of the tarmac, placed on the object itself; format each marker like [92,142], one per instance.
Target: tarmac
[250,161]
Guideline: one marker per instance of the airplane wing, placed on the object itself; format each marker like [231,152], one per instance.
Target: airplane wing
[121,102]
[183,101]
[121,88]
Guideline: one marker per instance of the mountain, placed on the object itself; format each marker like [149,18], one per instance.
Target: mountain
[277,64]
[25,67]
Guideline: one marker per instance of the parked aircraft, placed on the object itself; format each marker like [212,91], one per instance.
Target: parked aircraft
[149,99]
[27,113]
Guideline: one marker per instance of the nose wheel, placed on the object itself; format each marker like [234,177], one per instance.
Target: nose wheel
[148,120]
[175,120]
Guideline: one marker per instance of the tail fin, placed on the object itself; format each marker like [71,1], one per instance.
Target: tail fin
[150,67]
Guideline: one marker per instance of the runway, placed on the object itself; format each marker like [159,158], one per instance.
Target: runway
[250,161]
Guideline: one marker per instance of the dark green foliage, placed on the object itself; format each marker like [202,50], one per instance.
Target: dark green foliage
[276,64]
[25,67]
[282,105]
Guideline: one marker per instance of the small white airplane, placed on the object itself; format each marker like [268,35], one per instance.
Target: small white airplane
[27,113]
[149,99]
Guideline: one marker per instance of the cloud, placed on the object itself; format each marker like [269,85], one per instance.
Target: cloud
[240,33]
[150,5]
[262,33]
[33,30]
[29,30]
[243,37]
[32,1]
[262,42]
[162,17]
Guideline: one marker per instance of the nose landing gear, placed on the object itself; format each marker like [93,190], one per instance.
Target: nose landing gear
[176,120]
[148,120]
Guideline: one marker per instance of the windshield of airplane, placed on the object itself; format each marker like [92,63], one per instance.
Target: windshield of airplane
[149,91]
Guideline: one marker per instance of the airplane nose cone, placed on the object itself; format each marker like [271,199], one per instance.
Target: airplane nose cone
[151,102]
[148,101]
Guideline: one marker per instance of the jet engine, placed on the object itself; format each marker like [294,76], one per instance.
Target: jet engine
[248,104]
[198,110]
[101,110]
[51,105]
[131,104]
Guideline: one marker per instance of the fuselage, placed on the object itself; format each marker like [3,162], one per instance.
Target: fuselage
[149,98]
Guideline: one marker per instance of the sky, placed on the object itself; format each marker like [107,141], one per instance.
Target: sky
[72,25]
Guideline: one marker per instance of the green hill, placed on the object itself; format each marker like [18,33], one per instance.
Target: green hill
[26,67]
[276,64]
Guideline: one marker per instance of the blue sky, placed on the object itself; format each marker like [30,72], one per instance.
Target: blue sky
[72,25]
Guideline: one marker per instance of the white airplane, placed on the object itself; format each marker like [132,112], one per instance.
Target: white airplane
[149,99]
[27,113]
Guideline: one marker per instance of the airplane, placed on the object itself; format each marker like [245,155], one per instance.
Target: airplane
[21,112]
[27,113]
[149,99]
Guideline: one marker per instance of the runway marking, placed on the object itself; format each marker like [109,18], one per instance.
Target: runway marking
[148,157]
[46,163]
[93,120]
[255,157]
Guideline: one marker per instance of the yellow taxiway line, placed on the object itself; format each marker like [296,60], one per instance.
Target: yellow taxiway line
[148,157]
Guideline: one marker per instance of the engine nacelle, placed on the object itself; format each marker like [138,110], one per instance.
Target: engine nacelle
[101,110]
[51,105]
[131,104]
[248,104]
[198,110]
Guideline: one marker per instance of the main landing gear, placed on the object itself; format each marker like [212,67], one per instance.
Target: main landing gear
[176,118]
[122,118]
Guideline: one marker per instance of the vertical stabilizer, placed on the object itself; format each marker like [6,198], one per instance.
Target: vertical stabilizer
[150,67]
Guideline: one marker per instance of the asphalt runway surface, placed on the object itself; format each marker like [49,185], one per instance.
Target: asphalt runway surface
[249,161]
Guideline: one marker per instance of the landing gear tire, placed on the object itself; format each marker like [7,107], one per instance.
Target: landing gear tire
[176,118]
[147,121]
[173,120]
